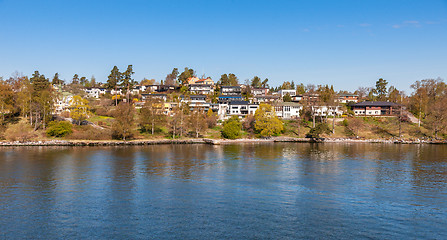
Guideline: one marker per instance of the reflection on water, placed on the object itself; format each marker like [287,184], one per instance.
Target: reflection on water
[232,191]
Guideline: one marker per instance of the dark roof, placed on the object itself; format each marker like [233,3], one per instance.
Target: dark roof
[200,85]
[349,95]
[154,94]
[230,96]
[375,104]
[266,96]
[292,104]
[230,87]
[239,103]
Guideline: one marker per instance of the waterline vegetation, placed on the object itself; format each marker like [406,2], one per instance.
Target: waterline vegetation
[183,106]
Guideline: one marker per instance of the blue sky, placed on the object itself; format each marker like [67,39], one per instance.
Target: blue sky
[344,43]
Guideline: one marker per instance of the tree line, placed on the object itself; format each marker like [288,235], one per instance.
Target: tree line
[33,99]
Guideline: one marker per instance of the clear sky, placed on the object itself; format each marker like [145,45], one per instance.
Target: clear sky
[344,43]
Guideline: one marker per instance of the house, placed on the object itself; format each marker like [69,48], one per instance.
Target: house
[63,102]
[284,92]
[196,80]
[94,92]
[324,111]
[201,88]
[373,108]
[311,98]
[117,91]
[152,88]
[226,99]
[138,89]
[195,102]
[259,91]
[207,81]
[146,96]
[167,88]
[346,98]
[265,99]
[287,110]
[230,90]
[241,108]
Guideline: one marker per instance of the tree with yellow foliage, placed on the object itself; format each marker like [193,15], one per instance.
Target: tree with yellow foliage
[266,122]
[79,110]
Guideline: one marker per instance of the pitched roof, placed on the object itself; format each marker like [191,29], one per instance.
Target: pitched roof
[291,104]
[239,103]
[375,104]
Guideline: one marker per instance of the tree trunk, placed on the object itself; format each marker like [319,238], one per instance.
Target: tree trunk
[116,97]
[152,127]
[333,123]
[43,119]
[181,125]
[173,131]
[419,119]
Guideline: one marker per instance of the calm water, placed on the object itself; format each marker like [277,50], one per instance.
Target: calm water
[251,191]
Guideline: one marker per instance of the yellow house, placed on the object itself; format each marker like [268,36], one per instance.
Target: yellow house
[193,80]
[196,80]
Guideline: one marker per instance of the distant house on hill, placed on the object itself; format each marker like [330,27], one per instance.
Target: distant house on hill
[226,99]
[146,97]
[371,108]
[196,80]
[230,90]
[346,98]
[259,91]
[287,110]
[266,99]
[201,88]
[283,92]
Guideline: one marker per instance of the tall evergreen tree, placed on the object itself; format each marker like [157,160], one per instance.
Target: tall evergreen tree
[381,89]
[56,80]
[113,81]
[127,81]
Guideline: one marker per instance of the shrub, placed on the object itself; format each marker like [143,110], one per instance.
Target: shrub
[232,128]
[315,132]
[249,123]
[59,129]
[21,131]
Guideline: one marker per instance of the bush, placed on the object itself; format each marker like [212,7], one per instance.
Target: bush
[315,132]
[59,129]
[232,128]
[249,123]
[21,131]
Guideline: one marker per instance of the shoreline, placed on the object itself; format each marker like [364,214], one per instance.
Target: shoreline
[81,143]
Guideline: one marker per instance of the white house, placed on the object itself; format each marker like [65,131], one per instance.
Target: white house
[283,92]
[63,103]
[230,90]
[95,92]
[241,108]
[146,96]
[196,102]
[259,91]
[323,111]
[288,110]
[201,88]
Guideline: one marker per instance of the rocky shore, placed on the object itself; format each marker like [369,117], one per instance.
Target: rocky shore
[213,141]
